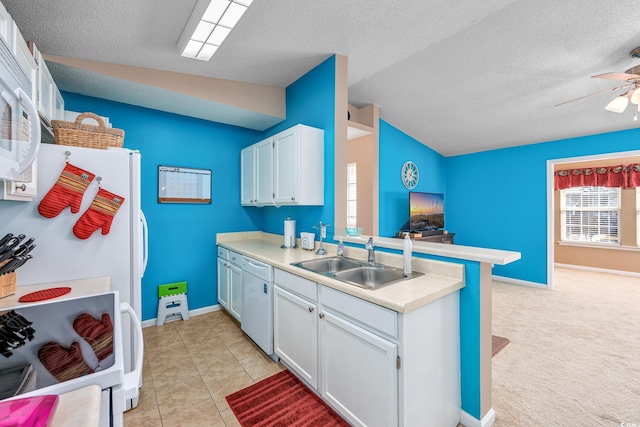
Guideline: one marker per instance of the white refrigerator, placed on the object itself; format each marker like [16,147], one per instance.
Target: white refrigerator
[59,255]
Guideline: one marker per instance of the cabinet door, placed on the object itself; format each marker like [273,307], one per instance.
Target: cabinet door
[58,104]
[235,291]
[295,334]
[264,172]
[223,283]
[46,84]
[247,176]
[359,374]
[286,167]
[21,191]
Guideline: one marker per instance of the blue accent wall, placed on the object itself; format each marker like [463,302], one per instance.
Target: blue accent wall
[395,148]
[498,199]
[181,236]
[311,102]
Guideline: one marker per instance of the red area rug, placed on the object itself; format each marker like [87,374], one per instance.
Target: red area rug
[497,344]
[281,400]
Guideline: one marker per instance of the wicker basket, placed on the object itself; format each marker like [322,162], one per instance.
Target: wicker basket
[87,136]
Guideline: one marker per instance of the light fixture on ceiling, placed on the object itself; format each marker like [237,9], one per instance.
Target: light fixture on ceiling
[210,23]
[619,104]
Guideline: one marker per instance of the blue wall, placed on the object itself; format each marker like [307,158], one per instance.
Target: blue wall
[395,148]
[181,237]
[498,199]
[310,101]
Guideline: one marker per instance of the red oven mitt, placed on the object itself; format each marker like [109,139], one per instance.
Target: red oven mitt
[64,364]
[99,334]
[99,215]
[67,191]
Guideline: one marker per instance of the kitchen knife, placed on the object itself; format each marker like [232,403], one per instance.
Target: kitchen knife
[11,265]
[5,239]
[23,250]
[9,244]
[8,253]
[24,246]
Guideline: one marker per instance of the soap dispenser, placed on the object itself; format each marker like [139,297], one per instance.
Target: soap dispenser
[340,247]
[407,251]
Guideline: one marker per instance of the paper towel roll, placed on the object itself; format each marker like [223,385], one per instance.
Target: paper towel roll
[289,233]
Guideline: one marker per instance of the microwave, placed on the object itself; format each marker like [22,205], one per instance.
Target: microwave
[19,134]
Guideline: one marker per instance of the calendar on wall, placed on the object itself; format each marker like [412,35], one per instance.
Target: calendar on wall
[183,185]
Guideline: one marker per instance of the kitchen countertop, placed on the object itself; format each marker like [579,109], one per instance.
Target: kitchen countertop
[439,280]
[78,408]
[79,288]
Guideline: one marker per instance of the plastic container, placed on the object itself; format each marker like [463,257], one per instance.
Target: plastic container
[407,252]
[340,247]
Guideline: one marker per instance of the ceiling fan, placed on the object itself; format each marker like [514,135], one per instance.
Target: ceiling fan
[631,77]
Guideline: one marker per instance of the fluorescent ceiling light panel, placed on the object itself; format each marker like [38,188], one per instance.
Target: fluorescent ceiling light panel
[203,35]
[218,35]
[215,10]
[232,15]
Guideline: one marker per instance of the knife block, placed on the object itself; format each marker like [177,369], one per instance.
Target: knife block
[8,283]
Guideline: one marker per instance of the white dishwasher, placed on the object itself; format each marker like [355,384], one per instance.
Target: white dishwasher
[257,303]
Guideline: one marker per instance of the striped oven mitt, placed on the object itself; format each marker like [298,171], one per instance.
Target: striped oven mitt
[67,191]
[99,215]
[98,333]
[63,363]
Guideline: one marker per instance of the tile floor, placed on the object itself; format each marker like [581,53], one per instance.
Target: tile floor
[189,368]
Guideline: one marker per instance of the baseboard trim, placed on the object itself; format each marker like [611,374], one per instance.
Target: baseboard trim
[519,282]
[598,270]
[196,312]
[471,421]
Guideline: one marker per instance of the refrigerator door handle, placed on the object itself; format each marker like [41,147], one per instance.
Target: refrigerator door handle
[133,379]
[145,244]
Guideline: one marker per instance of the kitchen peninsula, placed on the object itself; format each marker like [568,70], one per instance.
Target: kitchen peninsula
[389,356]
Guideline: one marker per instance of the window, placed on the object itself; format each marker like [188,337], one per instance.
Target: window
[590,214]
[352,195]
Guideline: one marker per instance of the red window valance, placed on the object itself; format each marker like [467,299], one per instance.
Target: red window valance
[602,176]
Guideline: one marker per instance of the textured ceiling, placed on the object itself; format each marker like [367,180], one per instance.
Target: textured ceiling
[460,77]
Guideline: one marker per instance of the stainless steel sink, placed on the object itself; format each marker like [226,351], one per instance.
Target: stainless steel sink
[354,272]
[328,265]
[370,277]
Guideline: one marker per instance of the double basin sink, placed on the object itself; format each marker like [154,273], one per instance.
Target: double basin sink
[356,272]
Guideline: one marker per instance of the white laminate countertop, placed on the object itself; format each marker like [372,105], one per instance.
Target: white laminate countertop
[440,279]
[79,288]
[78,408]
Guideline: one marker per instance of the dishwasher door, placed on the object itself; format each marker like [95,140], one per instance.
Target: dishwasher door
[257,303]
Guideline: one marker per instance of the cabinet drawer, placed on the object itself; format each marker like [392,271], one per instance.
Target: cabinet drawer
[223,253]
[296,284]
[235,258]
[370,316]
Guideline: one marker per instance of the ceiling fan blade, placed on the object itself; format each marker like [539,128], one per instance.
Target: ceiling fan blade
[625,77]
[597,93]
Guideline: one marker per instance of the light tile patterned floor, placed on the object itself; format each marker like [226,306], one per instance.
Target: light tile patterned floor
[189,368]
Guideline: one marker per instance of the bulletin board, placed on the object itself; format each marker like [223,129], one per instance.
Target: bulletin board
[183,185]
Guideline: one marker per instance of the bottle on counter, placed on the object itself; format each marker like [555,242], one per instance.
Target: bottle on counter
[340,247]
[407,252]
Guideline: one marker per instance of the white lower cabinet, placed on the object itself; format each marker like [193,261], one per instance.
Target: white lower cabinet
[230,282]
[296,334]
[359,374]
[223,282]
[374,366]
[235,291]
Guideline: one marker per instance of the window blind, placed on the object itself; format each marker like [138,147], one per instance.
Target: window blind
[590,214]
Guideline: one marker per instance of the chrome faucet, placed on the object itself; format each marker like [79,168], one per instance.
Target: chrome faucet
[371,259]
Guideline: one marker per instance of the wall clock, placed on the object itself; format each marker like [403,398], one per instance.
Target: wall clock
[410,175]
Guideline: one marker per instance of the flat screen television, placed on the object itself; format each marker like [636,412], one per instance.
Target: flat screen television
[426,211]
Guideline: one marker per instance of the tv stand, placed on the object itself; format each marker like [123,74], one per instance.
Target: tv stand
[434,236]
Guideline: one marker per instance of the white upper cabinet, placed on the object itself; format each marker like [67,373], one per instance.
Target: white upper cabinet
[248,176]
[46,93]
[288,169]
[264,172]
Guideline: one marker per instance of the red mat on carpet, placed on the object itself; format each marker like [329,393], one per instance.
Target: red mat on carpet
[281,400]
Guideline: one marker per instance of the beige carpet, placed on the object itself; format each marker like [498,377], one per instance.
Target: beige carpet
[574,356]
